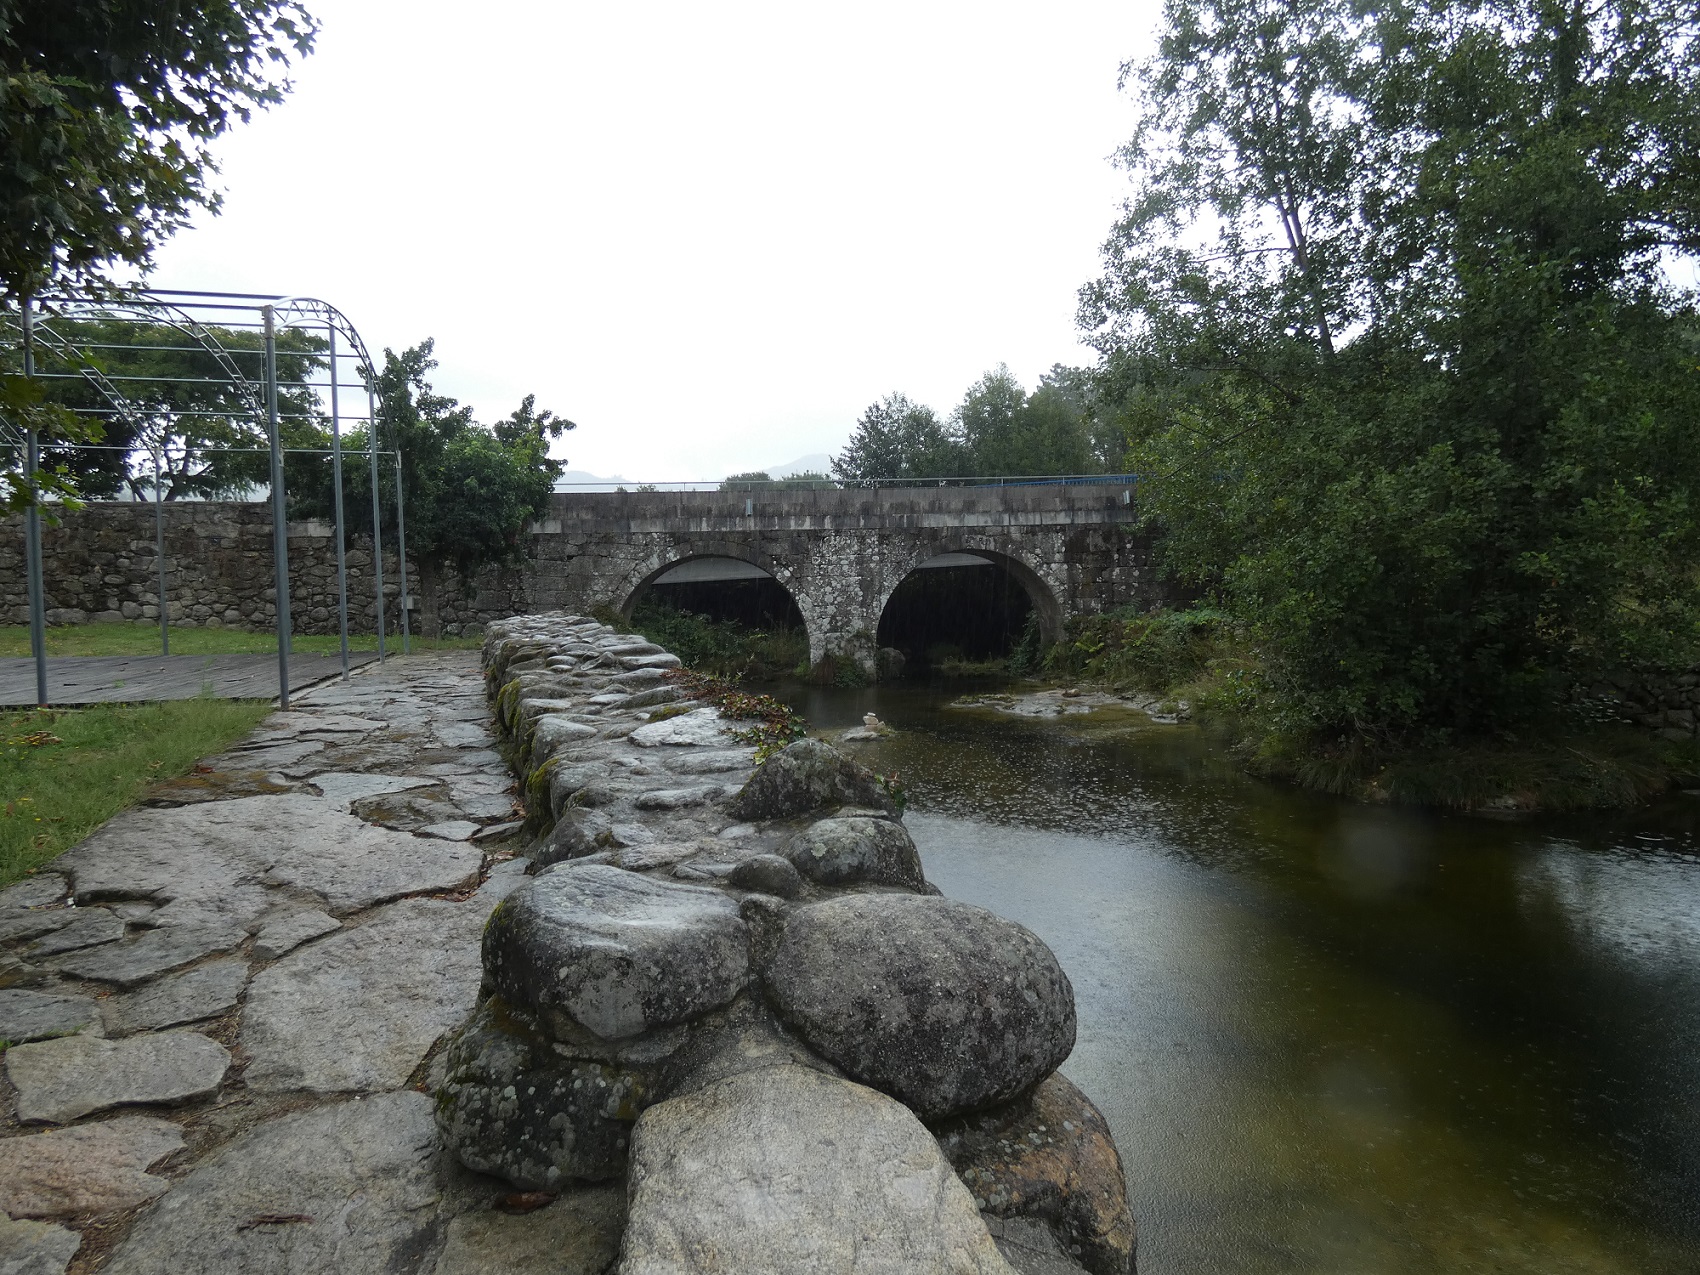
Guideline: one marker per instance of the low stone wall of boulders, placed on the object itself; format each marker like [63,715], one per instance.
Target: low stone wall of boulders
[731,985]
[101,562]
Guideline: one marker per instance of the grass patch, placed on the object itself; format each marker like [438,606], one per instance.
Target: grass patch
[64,772]
[118,638]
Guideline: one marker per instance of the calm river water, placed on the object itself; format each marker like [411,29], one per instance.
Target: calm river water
[1332,1038]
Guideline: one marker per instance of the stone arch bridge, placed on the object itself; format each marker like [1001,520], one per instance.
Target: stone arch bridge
[841,552]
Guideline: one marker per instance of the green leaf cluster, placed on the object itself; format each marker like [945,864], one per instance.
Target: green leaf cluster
[107,109]
[158,389]
[1393,328]
[997,429]
[759,480]
[471,490]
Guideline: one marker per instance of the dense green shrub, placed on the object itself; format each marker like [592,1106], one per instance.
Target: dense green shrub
[1156,651]
[723,648]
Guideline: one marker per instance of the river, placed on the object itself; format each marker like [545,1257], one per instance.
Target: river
[1333,1038]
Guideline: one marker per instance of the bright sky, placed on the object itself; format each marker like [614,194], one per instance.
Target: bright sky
[710,234]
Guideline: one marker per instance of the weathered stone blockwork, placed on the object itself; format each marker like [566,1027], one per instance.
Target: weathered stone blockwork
[100,563]
[840,553]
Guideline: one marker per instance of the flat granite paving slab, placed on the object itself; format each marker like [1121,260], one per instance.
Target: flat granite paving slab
[127,679]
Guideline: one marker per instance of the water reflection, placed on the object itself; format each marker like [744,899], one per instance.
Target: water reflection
[1334,1038]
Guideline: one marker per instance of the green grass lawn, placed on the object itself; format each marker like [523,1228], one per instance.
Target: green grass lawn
[64,772]
[143,639]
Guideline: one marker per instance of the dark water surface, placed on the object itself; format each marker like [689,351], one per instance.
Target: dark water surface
[1334,1038]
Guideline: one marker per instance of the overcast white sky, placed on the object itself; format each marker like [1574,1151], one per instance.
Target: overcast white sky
[710,234]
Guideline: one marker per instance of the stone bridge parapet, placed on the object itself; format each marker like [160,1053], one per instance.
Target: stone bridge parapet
[1074,548]
[840,552]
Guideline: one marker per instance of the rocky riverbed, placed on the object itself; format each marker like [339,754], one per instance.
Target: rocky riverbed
[1072,701]
[306,1010]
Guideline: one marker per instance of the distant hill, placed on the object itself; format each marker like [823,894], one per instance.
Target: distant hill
[815,463]
[571,477]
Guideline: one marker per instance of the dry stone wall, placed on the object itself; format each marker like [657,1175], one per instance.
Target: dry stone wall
[730,985]
[101,563]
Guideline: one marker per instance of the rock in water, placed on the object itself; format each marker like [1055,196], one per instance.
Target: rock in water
[857,848]
[1048,1156]
[596,948]
[512,1107]
[943,1005]
[804,776]
[783,1170]
[349,1188]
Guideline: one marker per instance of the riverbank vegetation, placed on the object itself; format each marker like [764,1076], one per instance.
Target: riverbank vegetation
[1400,330]
[64,772]
[1202,664]
[719,648]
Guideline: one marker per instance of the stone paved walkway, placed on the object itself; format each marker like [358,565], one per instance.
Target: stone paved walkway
[221,1049]
[129,679]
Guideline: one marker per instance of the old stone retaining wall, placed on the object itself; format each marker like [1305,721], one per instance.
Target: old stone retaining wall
[1666,703]
[100,563]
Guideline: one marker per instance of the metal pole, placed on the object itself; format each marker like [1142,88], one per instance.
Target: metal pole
[401,552]
[159,553]
[32,530]
[280,523]
[336,482]
[377,514]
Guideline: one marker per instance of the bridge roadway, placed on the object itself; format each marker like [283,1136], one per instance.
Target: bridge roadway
[840,553]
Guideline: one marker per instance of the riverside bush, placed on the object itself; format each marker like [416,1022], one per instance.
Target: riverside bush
[1154,651]
[723,648]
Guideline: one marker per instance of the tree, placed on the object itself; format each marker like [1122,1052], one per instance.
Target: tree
[896,438]
[471,490]
[1004,430]
[177,401]
[107,112]
[1388,327]
[997,429]
[749,478]
[806,479]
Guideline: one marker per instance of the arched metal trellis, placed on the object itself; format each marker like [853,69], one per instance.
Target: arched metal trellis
[53,339]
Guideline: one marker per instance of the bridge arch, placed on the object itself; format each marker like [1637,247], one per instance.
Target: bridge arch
[642,578]
[1040,595]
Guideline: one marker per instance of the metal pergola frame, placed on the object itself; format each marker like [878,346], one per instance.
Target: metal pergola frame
[46,325]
